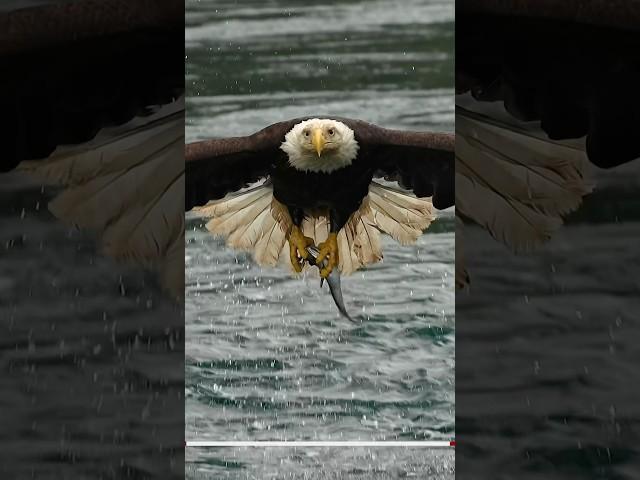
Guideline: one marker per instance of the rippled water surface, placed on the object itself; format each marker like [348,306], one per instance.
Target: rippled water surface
[88,353]
[321,464]
[88,346]
[268,356]
[547,347]
[250,64]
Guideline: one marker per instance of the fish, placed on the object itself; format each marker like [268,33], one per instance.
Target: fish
[333,280]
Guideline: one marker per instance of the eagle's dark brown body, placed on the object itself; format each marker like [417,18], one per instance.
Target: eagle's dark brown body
[341,191]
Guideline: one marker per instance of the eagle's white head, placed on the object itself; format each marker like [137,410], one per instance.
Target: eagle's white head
[320,145]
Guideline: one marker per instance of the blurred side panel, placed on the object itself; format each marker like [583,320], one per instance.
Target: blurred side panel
[547,188]
[92,239]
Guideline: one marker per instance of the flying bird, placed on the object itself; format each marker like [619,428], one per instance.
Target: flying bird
[92,100]
[322,182]
[544,90]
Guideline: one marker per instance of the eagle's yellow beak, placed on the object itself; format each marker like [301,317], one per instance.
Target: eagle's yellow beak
[318,140]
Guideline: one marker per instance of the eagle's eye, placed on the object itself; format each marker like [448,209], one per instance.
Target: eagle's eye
[306,133]
[331,132]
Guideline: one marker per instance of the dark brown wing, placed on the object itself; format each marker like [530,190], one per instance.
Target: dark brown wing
[573,65]
[419,161]
[70,69]
[422,162]
[614,13]
[220,166]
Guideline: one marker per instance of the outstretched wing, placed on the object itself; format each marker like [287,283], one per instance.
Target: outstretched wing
[574,66]
[70,69]
[220,166]
[419,161]
[126,185]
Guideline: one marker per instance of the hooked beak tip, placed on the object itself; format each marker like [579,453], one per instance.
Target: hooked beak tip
[318,141]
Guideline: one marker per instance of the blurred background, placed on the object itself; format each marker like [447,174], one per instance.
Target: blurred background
[88,345]
[547,356]
[267,355]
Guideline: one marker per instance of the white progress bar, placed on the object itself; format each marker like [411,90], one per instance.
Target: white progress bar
[328,443]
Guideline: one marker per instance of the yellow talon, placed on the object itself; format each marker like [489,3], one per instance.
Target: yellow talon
[329,250]
[298,244]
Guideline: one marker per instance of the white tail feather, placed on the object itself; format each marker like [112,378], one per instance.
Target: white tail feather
[368,247]
[401,215]
[252,220]
[316,225]
[237,218]
[127,184]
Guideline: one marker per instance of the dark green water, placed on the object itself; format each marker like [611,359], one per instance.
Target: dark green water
[249,64]
[267,356]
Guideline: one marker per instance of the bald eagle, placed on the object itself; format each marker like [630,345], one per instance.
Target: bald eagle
[534,111]
[91,96]
[319,187]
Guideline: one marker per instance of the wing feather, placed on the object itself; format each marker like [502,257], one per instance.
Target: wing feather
[127,185]
[514,184]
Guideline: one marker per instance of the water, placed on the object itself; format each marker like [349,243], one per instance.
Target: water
[547,347]
[321,464]
[252,65]
[267,355]
[90,351]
